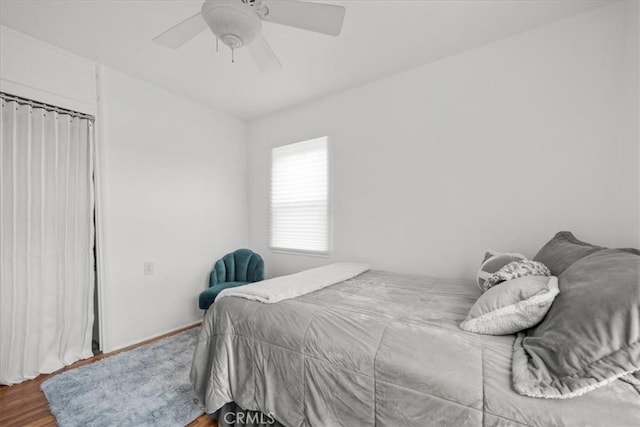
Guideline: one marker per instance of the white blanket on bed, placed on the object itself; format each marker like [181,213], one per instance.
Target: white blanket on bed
[291,286]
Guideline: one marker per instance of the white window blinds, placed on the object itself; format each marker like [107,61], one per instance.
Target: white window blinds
[300,197]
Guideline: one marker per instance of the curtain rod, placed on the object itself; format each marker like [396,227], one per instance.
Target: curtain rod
[49,107]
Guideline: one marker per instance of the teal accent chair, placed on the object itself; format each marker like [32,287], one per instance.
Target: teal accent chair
[235,269]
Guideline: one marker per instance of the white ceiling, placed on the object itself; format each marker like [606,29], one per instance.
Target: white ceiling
[379,38]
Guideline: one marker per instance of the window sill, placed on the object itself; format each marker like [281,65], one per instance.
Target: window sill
[300,252]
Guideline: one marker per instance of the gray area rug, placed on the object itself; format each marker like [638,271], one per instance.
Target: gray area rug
[147,386]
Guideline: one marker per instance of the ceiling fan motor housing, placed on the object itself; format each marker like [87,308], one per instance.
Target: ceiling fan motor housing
[235,23]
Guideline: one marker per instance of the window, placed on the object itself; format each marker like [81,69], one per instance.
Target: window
[300,197]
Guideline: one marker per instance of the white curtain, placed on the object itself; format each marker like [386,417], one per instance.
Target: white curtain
[46,240]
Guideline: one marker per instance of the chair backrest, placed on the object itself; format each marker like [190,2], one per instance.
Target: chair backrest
[243,265]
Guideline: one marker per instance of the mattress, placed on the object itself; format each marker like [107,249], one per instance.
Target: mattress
[378,349]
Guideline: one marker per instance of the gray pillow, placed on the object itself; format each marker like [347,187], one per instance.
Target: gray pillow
[513,306]
[565,249]
[562,251]
[591,334]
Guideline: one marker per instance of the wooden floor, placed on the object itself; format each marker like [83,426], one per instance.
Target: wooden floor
[25,405]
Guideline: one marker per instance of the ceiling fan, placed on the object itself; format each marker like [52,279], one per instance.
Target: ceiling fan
[238,23]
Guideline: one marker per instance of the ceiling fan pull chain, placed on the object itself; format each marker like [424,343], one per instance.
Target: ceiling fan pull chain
[233,59]
[217,38]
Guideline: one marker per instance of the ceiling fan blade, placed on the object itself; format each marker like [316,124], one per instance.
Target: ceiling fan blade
[181,33]
[318,17]
[263,55]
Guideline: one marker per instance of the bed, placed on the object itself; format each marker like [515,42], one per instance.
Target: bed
[378,349]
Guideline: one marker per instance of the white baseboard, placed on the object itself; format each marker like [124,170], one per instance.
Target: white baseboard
[121,346]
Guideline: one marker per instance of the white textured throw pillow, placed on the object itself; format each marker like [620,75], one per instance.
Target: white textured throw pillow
[493,261]
[516,269]
[512,306]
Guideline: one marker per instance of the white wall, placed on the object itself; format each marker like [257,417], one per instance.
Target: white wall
[36,70]
[173,184]
[175,194]
[499,147]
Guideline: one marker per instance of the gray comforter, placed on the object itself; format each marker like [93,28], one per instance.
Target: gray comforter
[379,349]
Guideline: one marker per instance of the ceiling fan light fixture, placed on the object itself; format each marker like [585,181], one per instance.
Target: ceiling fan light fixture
[234,23]
[233,41]
[238,23]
